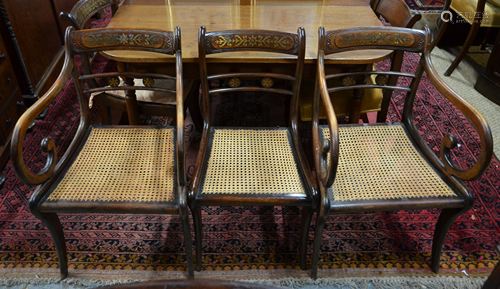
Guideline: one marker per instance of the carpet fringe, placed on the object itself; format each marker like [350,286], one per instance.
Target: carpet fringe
[437,282]
[443,282]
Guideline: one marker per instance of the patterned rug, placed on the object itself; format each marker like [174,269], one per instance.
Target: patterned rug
[425,5]
[252,242]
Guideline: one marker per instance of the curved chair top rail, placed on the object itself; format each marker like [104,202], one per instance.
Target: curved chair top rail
[94,40]
[335,41]
[84,9]
[396,12]
[255,40]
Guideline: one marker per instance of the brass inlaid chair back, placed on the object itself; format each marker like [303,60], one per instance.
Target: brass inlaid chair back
[396,170]
[129,169]
[251,40]
[84,9]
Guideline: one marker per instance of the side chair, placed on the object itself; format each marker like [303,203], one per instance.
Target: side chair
[261,166]
[129,169]
[79,16]
[149,102]
[388,167]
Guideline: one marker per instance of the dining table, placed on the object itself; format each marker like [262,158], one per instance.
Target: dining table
[217,15]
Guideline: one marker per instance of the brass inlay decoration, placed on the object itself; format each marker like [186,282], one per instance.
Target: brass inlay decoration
[87,8]
[348,81]
[234,82]
[113,81]
[374,38]
[148,82]
[267,82]
[92,40]
[253,41]
[249,161]
[381,80]
[380,162]
[122,165]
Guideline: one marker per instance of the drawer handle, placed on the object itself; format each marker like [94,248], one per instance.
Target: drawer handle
[3,57]
[8,121]
[20,103]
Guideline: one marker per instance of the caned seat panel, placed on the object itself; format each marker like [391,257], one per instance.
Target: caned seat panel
[129,164]
[381,163]
[251,161]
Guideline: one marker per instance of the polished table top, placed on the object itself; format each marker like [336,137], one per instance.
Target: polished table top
[215,15]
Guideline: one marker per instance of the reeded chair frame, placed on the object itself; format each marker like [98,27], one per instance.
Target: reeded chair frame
[327,153]
[292,44]
[45,204]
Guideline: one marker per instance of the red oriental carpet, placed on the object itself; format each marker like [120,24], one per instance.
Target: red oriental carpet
[253,241]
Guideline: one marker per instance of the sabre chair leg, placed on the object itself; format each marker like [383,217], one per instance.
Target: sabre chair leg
[307,213]
[196,211]
[104,110]
[318,232]
[187,240]
[468,42]
[53,224]
[446,218]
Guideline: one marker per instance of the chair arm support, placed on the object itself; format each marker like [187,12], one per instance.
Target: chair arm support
[449,142]
[181,155]
[47,145]
[326,167]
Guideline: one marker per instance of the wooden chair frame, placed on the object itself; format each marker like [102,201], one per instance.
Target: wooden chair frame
[296,46]
[80,42]
[398,14]
[326,167]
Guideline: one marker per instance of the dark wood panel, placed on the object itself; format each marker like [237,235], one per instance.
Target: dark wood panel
[488,82]
[37,34]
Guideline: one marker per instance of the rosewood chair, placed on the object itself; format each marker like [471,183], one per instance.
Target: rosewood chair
[262,166]
[472,11]
[387,167]
[110,169]
[149,102]
[397,13]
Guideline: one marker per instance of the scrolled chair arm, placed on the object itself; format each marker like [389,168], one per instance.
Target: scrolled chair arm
[47,144]
[326,154]
[449,141]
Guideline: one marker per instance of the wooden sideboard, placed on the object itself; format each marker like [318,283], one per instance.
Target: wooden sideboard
[12,104]
[31,57]
[33,35]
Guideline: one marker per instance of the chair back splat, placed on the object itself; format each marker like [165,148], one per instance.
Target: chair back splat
[130,169]
[389,166]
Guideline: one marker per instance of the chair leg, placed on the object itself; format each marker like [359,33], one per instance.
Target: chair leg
[104,110]
[187,240]
[468,42]
[307,213]
[53,224]
[318,232]
[196,211]
[446,218]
